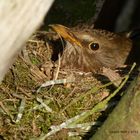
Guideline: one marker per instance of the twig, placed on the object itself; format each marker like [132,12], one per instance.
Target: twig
[58,69]
[5,110]
[24,92]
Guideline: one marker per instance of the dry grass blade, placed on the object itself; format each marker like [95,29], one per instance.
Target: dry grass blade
[53,82]
[44,105]
[21,110]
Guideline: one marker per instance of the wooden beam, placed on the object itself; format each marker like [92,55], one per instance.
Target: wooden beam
[18,20]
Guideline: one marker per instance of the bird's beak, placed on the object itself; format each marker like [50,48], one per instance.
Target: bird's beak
[66,33]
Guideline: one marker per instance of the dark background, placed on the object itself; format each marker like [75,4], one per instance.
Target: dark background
[72,12]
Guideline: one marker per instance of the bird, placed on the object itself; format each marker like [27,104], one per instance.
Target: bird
[92,50]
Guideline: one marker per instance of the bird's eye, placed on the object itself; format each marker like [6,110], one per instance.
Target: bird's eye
[94,46]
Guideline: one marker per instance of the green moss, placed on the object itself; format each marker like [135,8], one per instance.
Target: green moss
[34,60]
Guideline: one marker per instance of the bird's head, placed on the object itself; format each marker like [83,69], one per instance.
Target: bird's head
[93,49]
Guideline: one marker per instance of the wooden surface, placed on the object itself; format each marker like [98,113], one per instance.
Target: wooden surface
[18,20]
